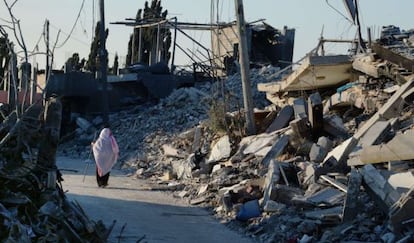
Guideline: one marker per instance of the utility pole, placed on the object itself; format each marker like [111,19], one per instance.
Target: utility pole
[244,68]
[47,50]
[174,45]
[360,40]
[103,55]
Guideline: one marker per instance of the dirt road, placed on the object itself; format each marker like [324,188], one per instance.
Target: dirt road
[140,214]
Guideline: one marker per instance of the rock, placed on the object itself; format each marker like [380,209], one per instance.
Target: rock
[202,189]
[221,150]
[272,206]
[183,168]
[307,226]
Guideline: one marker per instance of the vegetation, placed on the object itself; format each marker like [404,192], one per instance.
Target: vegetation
[74,63]
[93,64]
[150,14]
[115,66]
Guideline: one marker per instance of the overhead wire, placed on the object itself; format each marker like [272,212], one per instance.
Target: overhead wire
[73,27]
[67,34]
[345,30]
[336,10]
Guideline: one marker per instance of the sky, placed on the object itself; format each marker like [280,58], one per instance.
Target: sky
[310,18]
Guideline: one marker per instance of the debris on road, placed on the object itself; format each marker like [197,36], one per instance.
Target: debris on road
[332,160]
[33,205]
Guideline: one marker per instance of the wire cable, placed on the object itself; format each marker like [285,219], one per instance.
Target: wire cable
[73,27]
[336,10]
[67,34]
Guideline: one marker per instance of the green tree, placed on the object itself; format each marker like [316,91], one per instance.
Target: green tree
[74,63]
[116,65]
[93,63]
[151,14]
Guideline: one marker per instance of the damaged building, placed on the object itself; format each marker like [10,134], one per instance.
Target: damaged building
[332,159]
[266,44]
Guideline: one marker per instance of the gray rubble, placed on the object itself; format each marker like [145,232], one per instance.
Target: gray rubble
[325,167]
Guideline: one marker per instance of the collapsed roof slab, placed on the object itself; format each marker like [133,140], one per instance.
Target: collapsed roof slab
[315,72]
[399,148]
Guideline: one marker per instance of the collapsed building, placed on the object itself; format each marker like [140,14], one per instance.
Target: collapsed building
[332,160]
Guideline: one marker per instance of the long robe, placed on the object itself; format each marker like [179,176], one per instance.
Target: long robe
[105,151]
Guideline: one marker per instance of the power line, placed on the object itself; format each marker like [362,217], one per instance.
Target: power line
[73,27]
[67,34]
[336,10]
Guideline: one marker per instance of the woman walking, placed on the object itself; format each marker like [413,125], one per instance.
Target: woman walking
[105,150]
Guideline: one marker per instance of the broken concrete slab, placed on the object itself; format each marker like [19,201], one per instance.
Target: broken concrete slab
[341,152]
[315,114]
[315,72]
[320,150]
[332,215]
[285,194]
[346,96]
[300,127]
[272,206]
[366,63]
[256,143]
[282,120]
[335,183]
[221,150]
[387,111]
[183,168]
[198,200]
[399,207]
[272,177]
[335,127]
[351,200]
[170,151]
[317,153]
[202,189]
[376,133]
[300,108]
[386,196]
[276,149]
[398,148]
[402,182]
[327,197]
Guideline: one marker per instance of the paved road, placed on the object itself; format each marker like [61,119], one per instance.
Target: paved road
[139,213]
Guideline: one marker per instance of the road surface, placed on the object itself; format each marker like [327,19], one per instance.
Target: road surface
[140,214]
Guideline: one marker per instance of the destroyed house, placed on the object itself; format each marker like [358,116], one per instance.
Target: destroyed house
[266,44]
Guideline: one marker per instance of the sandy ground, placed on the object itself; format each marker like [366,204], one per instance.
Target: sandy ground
[140,214]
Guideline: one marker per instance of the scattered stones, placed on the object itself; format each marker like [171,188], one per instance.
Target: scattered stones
[291,182]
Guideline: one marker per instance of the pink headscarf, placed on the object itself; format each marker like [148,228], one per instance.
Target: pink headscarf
[105,151]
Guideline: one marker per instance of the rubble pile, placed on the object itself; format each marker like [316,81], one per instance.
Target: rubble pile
[401,42]
[142,126]
[33,206]
[29,212]
[325,166]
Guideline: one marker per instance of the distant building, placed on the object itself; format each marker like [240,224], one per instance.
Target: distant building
[266,44]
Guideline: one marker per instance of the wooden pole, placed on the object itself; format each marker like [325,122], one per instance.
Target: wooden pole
[103,55]
[360,40]
[245,69]
[51,134]
[174,46]
[139,46]
[47,51]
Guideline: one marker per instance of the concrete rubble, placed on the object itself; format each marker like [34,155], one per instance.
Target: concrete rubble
[33,204]
[325,167]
